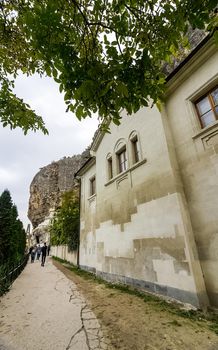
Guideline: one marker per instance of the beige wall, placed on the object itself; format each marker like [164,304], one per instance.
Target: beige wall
[88,220]
[62,252]
[149,225]
[137,226]
[197,154]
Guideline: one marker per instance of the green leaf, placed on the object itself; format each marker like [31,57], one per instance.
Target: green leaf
[122,89]
[159,105]
[79,112]
[116,121]
[67,96]
[106,88]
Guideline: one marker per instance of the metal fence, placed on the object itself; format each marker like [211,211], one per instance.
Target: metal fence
[7,276]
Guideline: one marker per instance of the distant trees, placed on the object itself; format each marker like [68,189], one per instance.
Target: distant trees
[64,228]
[12,234]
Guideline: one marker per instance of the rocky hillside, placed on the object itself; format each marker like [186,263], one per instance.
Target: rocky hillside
[48,185]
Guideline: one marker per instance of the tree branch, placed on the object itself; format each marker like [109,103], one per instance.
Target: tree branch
[90,24]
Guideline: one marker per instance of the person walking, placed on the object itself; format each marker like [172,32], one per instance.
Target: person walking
[38,251]
[33,253]
[49,247]
[44,252]
[30,250]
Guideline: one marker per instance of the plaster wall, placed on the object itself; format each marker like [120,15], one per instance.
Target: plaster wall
[88,219]
[197,155]
[62,252]
[137,226]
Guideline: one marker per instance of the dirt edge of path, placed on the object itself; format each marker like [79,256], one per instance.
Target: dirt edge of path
[131,322]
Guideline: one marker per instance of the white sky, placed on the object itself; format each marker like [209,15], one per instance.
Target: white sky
[21,156]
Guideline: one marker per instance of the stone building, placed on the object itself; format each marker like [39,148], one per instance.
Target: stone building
[149,193]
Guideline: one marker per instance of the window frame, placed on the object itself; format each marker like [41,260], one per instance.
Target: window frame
[109,167]
[208,94]
[120,162]
[135,149]
[92,186]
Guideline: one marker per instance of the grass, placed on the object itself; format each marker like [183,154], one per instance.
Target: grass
[199,316]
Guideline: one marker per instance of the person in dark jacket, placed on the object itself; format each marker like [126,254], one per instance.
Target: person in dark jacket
[49,247]
[43,252]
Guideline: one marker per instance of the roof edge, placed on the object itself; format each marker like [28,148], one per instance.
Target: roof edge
[87,165]
[190,55]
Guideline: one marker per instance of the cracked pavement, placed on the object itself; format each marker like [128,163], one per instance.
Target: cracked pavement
[44,310]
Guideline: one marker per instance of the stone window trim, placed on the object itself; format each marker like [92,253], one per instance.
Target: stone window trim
[207,107]
[206,131]
[109,160]
[121,154]
[202,90]
[135,147]
[129,170]
[122,160]
[121,143]
[92,198]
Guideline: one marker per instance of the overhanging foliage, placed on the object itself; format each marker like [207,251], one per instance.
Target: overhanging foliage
[105,55]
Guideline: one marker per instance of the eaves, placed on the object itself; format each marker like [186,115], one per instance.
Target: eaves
[86,166]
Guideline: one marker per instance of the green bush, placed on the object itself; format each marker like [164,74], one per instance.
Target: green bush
[64,228]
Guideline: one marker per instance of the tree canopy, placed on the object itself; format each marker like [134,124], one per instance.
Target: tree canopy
[12,234]
[105,55]
[64,228]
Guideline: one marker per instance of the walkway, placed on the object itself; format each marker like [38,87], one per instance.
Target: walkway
[45,311]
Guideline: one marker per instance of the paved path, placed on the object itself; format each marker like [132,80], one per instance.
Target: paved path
[45,311]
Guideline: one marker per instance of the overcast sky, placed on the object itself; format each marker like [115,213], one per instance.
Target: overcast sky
[21,156]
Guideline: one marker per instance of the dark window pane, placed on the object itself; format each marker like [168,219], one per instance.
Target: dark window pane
[110,168]
[135,145]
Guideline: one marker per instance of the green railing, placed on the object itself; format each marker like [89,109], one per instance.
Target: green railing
[9,274]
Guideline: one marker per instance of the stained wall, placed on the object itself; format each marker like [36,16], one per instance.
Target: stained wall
[155,224]
[197,155]
[136,228]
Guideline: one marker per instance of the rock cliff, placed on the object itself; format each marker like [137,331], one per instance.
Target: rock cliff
[48,185]
[194,37]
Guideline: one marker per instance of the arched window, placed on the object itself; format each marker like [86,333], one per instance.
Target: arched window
[92,183]
[109,166]
[135,149]
[121,155]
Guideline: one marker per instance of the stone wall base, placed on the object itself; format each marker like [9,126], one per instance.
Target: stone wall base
[166,291]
